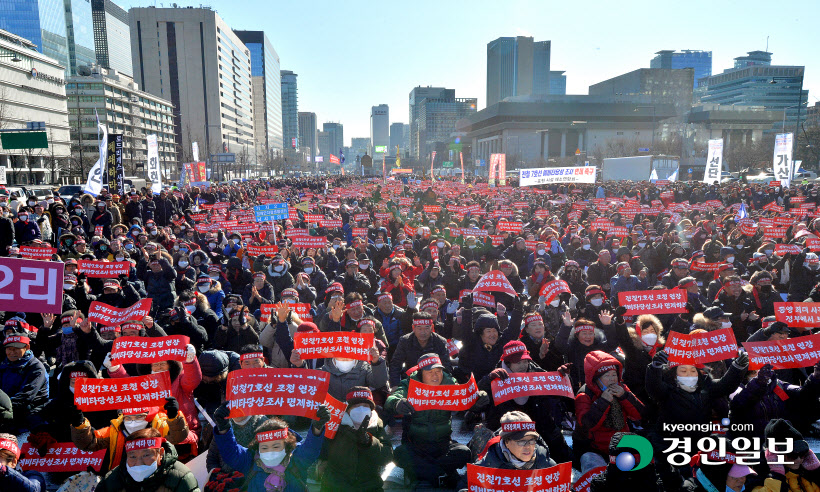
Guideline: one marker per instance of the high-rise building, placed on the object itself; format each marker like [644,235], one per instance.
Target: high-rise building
[358,148]
[558,83]
[417,96]
[112,38]
[290,112]
[700,61]
[436,121]
[335,140]
[191,57]
[650,86]
[323,140]
[79,34]
[308,132]
[517,66]
[754,81]
[379,128]
[399,137]
[267,94]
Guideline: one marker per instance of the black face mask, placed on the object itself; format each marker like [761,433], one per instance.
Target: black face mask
[766,289]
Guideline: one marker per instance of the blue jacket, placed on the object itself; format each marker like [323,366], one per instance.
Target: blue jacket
[26,383]
[215,300]
[14,480]
[243,459]
[625,284]
[26,231]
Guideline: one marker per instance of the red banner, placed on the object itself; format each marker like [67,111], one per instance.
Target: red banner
[314,218]
[151,390]
[361,217]
[348,344]
[783,249]
[110,316]
[798,314]
[31,286]
[653,301]
[585,482]
[60,457]
[700,348]
[698,266]
[360,232]
[258,250]
[483,299]
[103,269]
[552,289]
[774,233]
[813,244]
[245,228]
[515,227]
[553,479]
[309,241]
[337,409]
[300,308]
[142,350]
[455,397]
[494,281]
[792,353]
[331,223]
[452,348]
[531,384]
[269,391]
[432,209]
[747,227]
[37,252]
[617,231]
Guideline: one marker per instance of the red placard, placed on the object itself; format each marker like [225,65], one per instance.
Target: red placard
[337,409]
[60,457]
[37,252]
[698,266]
[142,350]
[554,479]
[410,231]
[331,223]
[361,217]
[103,269]
[309,241]
[700,348]
[455,397]
[774,233]
[774,184]
[813,244]
[617,231]
[334,344]
[314,218]
[151,390]
[258,250]
[791,353]
[245,228]
[269,391]
[653,301]
[31,286]
[585,481]
[602,224]
[552,289]
[300,308]
[747,227]
[782,249]
[434,252]
[107,315]
[382,215]
[432,209]
[515,227]
[360,232]
[497,239]
[98,231]
[531,384]
[798,314]
[452,348]
[494,281]
[483,299]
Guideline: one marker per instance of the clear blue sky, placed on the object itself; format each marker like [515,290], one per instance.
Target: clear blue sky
[351,55]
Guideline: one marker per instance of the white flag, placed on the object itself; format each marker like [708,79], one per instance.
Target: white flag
[195,150]
[153,165]
[94,184]
[714,162]
[653,174]
[673,177]
[782,161]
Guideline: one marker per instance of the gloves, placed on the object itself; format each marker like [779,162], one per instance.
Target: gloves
[221,418]
[107,362]
[483,400]
[171,407]
[412,301]
[323,416]
[765,373]
[363,438]
[499,373]
[742,361]
[573,301]
[191,354]
[564,370]
[452,307]
[77,417]
[619,311]
[660,359]
[403,407]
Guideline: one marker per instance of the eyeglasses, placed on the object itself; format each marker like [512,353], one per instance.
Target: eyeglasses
[525,442]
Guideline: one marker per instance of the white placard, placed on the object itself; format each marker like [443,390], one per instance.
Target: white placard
[93,186]
[782,160]
[549,175]
[153,165]
[714,162]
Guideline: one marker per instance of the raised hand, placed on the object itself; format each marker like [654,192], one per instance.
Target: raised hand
[605,317]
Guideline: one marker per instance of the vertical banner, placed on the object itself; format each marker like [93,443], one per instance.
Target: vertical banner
[432,162]
[783,158]
[714,162]
[493,166]
[502,169]
[461,158]
[154,174]
[195,151]
[95,176]
[110,170]
[118,184]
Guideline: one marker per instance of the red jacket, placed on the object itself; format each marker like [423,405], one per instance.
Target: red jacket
[592,410]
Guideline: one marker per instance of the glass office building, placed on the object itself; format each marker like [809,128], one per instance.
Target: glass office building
[112,37]
[700,61]
[43,22]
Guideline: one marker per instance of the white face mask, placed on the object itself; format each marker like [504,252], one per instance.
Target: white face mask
[555,302]
[690,381]
[440,244]
[649,339]
[726,324]
[730,259]
[273,458]
[278,268]
[358,414]
[190,309]
[68,286]
[586,246]
[242,420]
[141,472]
[344,365]
[364,266]
[641,245]
[204,288]
[133,427]
[379,245]
[212,245]
[542,251]
[597,302]
[183,264]
[308,270]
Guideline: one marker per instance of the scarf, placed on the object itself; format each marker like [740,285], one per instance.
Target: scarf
[275,481]
[518,464]
[651,349]
[615,418]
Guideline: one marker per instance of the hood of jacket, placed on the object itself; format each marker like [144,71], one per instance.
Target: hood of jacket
[203,256]
[596,360]
[702,322]
[644,319]
[64,378]
[275,274]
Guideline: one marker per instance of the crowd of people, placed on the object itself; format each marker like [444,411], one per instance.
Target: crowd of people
[402,259]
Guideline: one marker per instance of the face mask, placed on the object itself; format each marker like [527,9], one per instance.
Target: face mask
[308,270]
[183,264]
[129,247]
[542,251]
[586,246]
[344,365]
[141,472]
[690,381]
[23,217]
[68,286]
[649,339]
[358,414]
[440,244]
[364,266]
[597,302]
[68,330]
[471,246]
[379,245]
[739,246]
[204,288]
[133,427]
[242,420]
[555,302]
[641,245]
[730,259]
[278,268]
[769,252]
[700,283]
[726,324]
[766,289]
[50,201]
[335,246]
[190,309]
[273,458]
[212,245]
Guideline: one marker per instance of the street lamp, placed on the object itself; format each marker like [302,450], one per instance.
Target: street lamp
[652,146]
[12,55]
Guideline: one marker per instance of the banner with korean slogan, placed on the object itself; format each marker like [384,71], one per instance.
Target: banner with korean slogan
[60,457]
[270,391]
[714,162]
[653,301]
[798,314]
[143,350]
[455,397]
[700,348]
[782,160]
[791,353]
[151,390]
[550,175]
[351,345]
[553,479]
[531,384]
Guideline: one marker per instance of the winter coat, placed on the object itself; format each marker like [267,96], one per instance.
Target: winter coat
[160,286]
[802,279]
[171,476]
[26,231]
[408,351]
[278,281]
[233,340]
[637,357]
[104,219]
[246,461]
[592,411]
[363,374]
[7,231]
[266,292]
[497,457]
[424,429]
[757,403]
[26,383]
[575,352]
[395,324]
[474,357]
[352,467]
[16,480]
[356,283]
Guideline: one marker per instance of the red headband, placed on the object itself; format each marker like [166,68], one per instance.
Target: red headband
[251,356]
[353,304]
[688,284]
[595,292]
[513,349]
[532,319]
[383,295]
[432,304]
[438,288]
[106,329]
[10,446]
[517,426]
[17,339]
[366,394]
[422,322]
[429,361]
[147,443]
[366,322]
[78,374]
[582,328]
[132,326]
[275,435]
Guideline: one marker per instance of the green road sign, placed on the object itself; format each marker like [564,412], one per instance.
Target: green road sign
[24,140]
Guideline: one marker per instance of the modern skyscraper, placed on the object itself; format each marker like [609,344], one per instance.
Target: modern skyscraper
[358,148]
[323,140]
[335,139]
[399,137]
[290,112]
[558,83]
[517,66]
[191,57]
[80,34]
[308,132]
[267,94]
[417,96]
[379,127]
[701,61]
[436,121]
[112,38]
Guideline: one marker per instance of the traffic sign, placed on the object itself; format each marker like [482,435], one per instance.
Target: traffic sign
[447,164]
[643,149]
[577,151]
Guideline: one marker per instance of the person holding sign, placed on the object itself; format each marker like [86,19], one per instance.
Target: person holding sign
[13,479]
[428,452]
[24,379]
